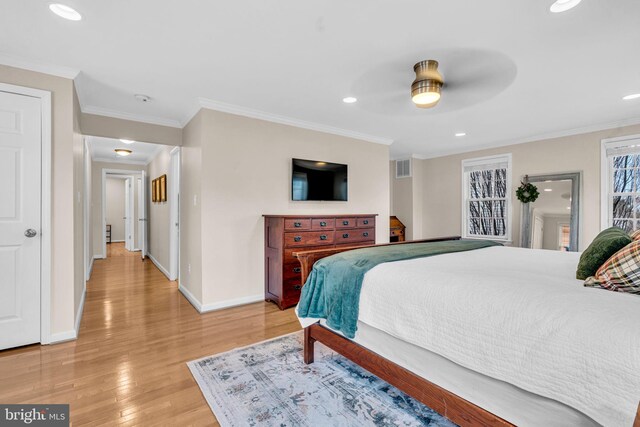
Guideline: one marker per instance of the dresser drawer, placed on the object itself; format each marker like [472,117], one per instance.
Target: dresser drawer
[292,271]
[323,224]
[355,235]
[291,286]
[307,238]
[345,222]
[288,257]
[366,222]
[297,224]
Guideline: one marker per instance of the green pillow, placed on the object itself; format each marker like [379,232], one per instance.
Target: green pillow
[607,243]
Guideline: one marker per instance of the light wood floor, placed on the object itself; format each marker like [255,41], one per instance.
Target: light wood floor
[117,249]
[128,366]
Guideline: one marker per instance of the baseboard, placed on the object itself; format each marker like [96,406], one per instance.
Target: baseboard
[231,303]
[160,267]
[116,241]
[80,309]
[192,299]
[62,337]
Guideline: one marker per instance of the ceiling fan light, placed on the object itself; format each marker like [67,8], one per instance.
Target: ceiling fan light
[425,89]
[563,5]
[122,152]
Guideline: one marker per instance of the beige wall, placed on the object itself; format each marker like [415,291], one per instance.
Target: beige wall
[442,205]
[96,202]
[190,211]
[63,300]
[246,168]
[114,196]
[159,212]
[550,235]
[110,127]
[78,209]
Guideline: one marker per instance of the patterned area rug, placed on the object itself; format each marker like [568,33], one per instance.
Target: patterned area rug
[268,384]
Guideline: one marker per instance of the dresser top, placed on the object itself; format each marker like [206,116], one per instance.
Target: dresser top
[320,216]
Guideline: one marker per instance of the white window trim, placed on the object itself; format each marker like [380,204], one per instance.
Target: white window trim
[606,163]
[465,194]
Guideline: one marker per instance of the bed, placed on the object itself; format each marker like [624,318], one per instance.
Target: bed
[495,336]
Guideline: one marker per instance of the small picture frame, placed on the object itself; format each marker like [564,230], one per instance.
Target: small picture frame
[163,188]
[154,190]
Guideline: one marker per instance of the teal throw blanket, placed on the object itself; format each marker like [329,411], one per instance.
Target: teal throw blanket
[332,290]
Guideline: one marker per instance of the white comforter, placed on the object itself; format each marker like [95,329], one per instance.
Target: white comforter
[518,315]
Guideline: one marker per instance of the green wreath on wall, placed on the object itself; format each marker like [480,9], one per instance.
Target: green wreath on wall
[527,192]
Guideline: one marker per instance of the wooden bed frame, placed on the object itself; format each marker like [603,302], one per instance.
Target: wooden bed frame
[455,408]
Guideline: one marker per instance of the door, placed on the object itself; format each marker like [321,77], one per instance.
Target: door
[174,214]
[142,216]
[538,229]
[128,214]
[20,219]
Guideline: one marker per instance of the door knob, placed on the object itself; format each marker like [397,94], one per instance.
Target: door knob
[31,232]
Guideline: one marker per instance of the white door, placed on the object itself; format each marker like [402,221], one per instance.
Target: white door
[538,229]
[142,216]
[20,219]
[128,230]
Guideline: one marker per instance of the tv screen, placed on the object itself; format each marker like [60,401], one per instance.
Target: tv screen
[316,180]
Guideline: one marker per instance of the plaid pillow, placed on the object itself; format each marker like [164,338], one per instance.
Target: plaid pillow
[635,235]
[621,272]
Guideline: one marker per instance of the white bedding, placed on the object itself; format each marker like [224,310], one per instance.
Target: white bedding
[520,316]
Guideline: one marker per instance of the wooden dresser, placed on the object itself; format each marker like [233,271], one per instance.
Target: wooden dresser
[285,234]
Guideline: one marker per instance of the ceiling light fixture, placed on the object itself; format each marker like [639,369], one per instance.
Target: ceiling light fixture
[461,134]
[548,189]
[425,89]
[142,98]
[64,11]
[349,100]
[123,152]
[563,5]
[632,96]
[127,141]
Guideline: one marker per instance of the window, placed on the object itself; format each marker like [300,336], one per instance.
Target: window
[621,183]
[486,191]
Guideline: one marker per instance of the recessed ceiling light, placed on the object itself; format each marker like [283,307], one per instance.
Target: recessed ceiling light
[563,5]
[64,11]
[122,152]
[548,189]
[632,96]
[127,141]
[349,100]
[461,134]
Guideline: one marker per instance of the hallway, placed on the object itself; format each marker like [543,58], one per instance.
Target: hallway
[128,366]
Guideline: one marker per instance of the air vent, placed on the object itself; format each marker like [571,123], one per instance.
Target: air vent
[403,168]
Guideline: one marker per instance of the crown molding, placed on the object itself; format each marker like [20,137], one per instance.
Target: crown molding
[118,161]
[99,111]
[539,137]
[37,66]
[269,117]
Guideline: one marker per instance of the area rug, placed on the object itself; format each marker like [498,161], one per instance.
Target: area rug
[268,384]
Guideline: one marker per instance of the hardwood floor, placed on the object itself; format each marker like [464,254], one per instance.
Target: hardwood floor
[128,366]
[117,249]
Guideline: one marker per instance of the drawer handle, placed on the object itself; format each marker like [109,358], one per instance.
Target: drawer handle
[323,237]
[297,287]
[365,222]
[365,234]
[297,238]
[345,222]
[323,224]
[297,224]
[297,269]
[345,236]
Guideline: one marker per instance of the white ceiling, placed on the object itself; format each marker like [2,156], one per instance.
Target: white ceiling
[514,71]
[103,150]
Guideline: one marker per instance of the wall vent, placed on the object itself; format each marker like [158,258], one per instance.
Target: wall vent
[403,168]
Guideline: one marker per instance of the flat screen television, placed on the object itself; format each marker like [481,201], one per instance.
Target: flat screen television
[317,180]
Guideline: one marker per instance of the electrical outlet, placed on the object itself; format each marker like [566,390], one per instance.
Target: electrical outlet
[195,200]
[189,268]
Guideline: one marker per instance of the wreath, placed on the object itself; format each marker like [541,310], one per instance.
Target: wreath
[527,192]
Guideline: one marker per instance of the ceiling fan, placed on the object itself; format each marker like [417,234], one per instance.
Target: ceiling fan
[425,89]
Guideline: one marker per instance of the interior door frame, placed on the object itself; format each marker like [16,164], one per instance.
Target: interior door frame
[45,203]
[175,160]
[104,173]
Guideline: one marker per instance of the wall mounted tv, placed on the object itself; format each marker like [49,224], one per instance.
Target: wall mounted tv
[317,180]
